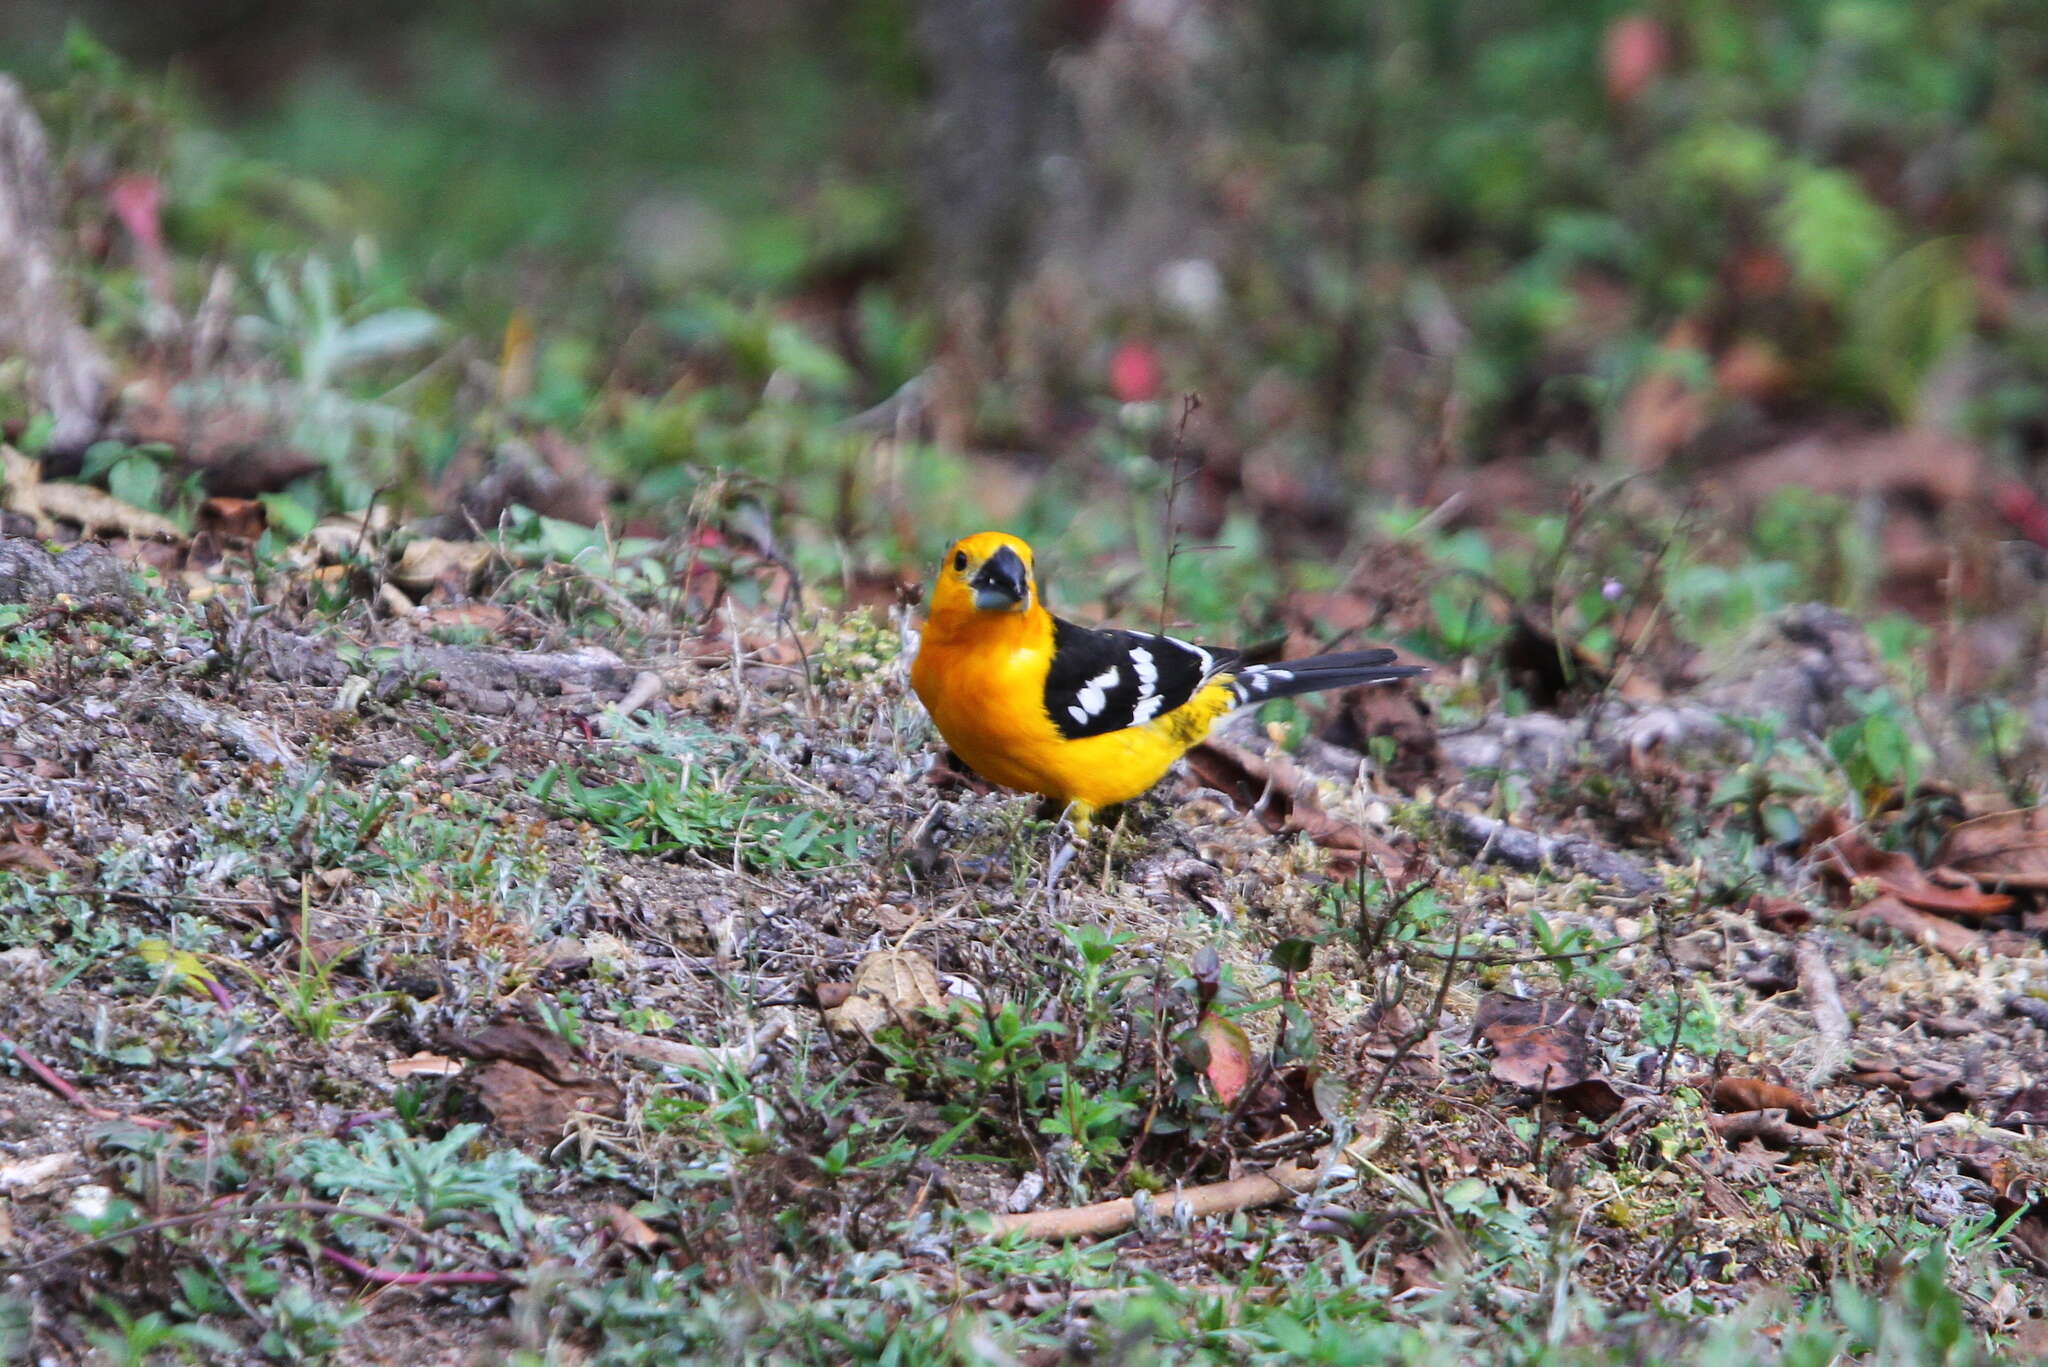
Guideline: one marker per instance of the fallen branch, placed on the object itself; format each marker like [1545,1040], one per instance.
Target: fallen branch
[1491,840]
[667,1052]
[1824,998]
[246,737]
[1113,1217]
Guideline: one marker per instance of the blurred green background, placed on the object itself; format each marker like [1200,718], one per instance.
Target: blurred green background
[1406,253]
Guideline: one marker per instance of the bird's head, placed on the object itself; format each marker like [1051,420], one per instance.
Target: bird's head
[986,572]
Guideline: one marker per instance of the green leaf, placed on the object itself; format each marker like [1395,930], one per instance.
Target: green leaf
[137,481]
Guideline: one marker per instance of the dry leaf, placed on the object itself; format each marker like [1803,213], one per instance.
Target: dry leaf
[1754,1094]
[1541,1046]
[1284,801]
[1959,942]
[2005,849]
[432,561]
[1772,1128]
[1846,857]
[531,1109]
[632,1231]
[1400,715]
[1229,1067]
[857,1017]
[534,1084]
[18,856]
[25,1175]
[423,1064]
[901,980]
[1780,914]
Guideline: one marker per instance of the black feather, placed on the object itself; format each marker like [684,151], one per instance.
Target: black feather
[1317,673]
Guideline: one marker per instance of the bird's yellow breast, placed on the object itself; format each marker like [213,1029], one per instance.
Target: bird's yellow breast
[984,683]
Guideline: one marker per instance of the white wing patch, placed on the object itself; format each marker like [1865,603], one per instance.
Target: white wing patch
[1147,708]
[1148,672]
[1094,696]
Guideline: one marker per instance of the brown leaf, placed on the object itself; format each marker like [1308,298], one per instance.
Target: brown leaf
[632,1231]
[531,1109]
[1934,932]
[1501,1008]
[1772,1128]
[1538,1058]
[2026,1106]
[1387,1031]
[1934,1089]
[2012,1190]
[432,561]
[1754,1094]
[857,1017]
[1845,856]
[231,519]
[1780,914]
[1230,1055]
[21,857]
[516,1041]
[1541,1045]
[1285,803]
[481,616]
[902,981]
[2004,849]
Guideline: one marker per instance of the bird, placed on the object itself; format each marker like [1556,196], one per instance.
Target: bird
[1089,717]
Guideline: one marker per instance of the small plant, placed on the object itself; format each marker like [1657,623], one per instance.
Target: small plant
[436,1182]
[677,807]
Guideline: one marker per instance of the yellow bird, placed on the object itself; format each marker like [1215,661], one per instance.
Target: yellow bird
[1087,717]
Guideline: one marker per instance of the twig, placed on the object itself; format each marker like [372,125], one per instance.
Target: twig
[1824,998]
[1532,852]
[1663,932]
[386,1277]
[195,1217]
[1113,1217]
[56,1082]
[1427,1024]
[1189,402]
[651,1050]
[1510,960]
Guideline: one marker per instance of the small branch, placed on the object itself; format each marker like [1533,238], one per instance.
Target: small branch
[1527,850]
[1427,1024]
[1824,998]
[1189,402]
[650,1050]
[1113,1217]
[386,1277]
[230,1212]
[1505,961]
[56,1082]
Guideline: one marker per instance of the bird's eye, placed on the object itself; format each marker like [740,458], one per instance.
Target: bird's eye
[960,562]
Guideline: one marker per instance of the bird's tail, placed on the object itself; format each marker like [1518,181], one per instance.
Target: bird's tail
[1258,683]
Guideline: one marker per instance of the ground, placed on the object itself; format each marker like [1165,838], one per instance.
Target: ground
[726,1030]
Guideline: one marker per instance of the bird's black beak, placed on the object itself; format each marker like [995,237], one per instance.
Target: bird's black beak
[1003,583]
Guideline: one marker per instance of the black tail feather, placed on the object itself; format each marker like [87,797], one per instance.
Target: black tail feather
[1317,673]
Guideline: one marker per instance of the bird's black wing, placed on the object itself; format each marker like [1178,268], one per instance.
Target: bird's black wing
[1104,681]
